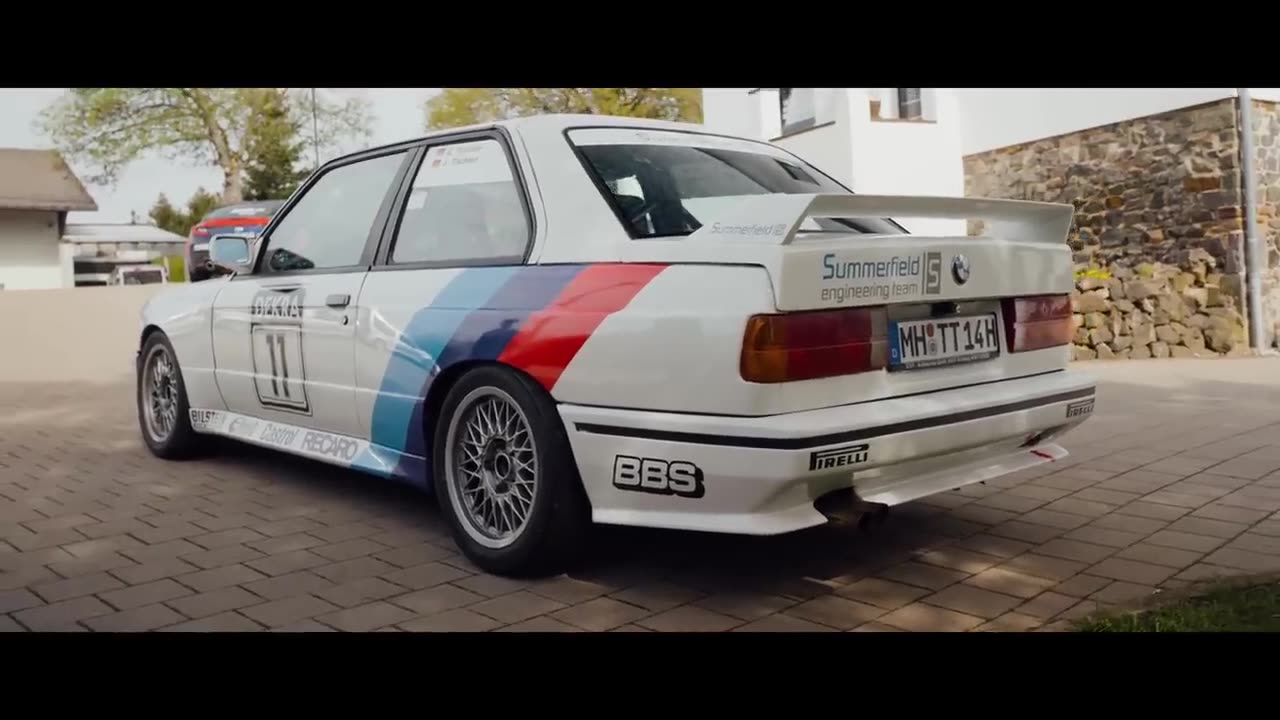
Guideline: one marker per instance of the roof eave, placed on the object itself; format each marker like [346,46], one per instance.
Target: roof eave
[49,206]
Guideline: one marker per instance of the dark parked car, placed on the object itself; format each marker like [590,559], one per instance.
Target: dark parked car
[246,219]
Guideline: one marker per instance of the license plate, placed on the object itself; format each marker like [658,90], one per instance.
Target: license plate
[200,247]
[938,342]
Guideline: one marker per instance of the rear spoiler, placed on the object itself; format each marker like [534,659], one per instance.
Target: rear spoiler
[776,218]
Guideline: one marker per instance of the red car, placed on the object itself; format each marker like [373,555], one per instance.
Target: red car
[246,219]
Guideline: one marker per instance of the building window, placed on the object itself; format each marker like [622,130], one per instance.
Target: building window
[797,107]
[909,104]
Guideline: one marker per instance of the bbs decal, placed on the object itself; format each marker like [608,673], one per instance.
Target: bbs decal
[659,477]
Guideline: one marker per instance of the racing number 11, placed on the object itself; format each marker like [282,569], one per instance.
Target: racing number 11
[279,372]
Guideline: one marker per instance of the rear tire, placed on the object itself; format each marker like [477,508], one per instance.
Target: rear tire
[505,476]
[163,411]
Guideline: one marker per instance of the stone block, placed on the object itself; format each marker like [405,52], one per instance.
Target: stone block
[1140,352]
[1100,335]
[1141,289]
[1091,302]
[1159,349]
[1166,334]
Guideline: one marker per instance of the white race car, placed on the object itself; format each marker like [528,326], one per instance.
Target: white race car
[557,321]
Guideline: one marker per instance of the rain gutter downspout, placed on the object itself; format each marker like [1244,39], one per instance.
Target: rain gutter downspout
[1253,255]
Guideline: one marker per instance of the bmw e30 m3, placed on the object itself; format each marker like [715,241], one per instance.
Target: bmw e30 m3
[557,321]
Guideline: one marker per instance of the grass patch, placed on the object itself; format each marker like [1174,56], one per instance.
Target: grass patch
[1227,607]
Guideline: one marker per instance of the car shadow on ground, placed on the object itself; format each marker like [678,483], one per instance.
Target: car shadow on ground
[87,435]
[615,553]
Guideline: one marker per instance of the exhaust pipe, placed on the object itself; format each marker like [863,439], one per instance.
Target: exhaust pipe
[845,508]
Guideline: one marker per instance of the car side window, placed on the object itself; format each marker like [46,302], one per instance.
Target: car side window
[464,206]
[328,226]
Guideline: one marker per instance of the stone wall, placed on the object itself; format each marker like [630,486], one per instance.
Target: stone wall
[1266,165]
[1158,233]
[1156,310]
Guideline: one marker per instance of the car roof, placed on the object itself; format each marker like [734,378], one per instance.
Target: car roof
[543,123]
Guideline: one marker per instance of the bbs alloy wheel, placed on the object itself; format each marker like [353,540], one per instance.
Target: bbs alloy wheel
[505,475]
[493,467]
[163,410]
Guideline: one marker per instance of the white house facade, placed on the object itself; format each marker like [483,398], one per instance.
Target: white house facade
[37,190]
[889,141]
[1176,189]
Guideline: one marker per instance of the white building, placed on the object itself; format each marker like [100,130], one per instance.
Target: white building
[1154,172]
[912,140]
[890,141]
[37,190]
[99,249]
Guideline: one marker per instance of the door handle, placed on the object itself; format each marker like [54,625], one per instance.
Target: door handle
[338,300]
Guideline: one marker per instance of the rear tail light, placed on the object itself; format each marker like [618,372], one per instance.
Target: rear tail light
[1034,323]
[202,232]
[818,344]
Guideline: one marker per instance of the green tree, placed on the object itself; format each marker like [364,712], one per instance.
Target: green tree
[180,222]
[107,128]
[274,149]
[465,106]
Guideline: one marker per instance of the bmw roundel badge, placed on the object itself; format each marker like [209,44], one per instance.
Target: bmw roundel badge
[960,269]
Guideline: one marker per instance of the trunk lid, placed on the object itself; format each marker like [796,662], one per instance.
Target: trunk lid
[945,298]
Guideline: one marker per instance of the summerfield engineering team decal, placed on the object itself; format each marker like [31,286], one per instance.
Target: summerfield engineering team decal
[896,277]
[315,444]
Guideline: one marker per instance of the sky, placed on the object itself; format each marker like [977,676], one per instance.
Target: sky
[397,114]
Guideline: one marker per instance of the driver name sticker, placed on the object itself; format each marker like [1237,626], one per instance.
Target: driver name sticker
[482,161]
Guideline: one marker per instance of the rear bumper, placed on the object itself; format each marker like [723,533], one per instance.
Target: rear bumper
[762,475]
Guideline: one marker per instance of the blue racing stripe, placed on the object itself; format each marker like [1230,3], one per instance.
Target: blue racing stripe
[486,331]
[416,356]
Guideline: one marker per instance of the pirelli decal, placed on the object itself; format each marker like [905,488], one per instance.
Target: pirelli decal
[839,457]
[1080,408]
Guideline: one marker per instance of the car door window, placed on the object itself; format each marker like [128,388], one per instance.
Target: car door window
[464,207]
[327,228]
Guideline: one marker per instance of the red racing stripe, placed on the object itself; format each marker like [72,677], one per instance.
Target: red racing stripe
[551,337]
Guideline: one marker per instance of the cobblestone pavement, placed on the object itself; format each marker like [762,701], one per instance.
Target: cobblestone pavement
[1176,478]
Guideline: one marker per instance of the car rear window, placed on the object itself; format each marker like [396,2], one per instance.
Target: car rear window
[266,208]
[664,183]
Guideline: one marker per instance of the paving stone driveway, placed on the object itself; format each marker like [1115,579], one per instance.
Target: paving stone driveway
[1176,478]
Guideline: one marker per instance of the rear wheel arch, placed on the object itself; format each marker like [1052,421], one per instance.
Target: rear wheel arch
[559,518]
[449,377]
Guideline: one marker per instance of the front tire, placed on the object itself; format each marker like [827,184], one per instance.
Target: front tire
[163,411]
[505,476]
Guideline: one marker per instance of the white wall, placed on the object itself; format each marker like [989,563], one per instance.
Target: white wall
[869,156]
[826,148]
[732,111]
[997,117]
[95,339]
[909,158]
[30,257]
